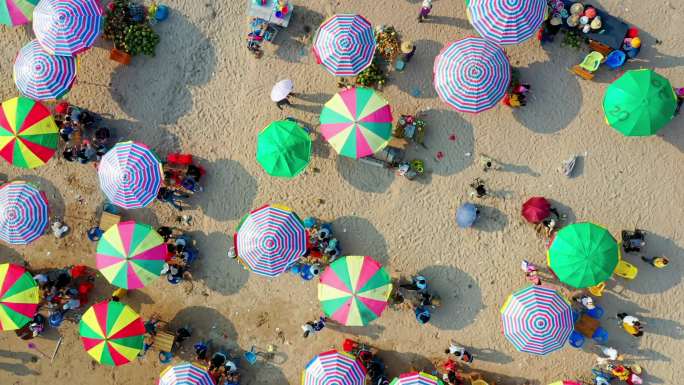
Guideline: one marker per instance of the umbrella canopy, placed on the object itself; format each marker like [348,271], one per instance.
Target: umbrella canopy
[583,255]
[24,213]
[19,297]
[130,175]
[466,215]
[472,74]
[16,12]
[357,122]
[130,255]
[270,239]
[284,149]
[112,333]
[67,27]
[536,209]
[334,368]
[639,103]
[185,373]
[354,290]
[345,44]
[416,378]
[42,76]
[507,21]
[537,320]
[28,133]
[281,90]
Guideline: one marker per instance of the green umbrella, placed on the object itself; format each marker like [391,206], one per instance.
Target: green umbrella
[284,149]
[583,255]
[639,103]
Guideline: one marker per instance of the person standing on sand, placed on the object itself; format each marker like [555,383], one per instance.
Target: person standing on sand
[657,262]
[425,10]
[460,352]
[631,324]
[281,92]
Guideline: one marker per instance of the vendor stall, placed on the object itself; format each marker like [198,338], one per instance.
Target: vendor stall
[278,12]
[591,22]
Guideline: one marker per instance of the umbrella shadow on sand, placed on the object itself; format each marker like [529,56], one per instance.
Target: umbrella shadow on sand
[416,78]
[226,178]
[218,272]
[491,219]
[206,324]
[673,133]
[10,255]
[156,89]
[158,138]
[460,294]
[651,280]
[397,363]
[362,176]
[358,236]
[294,42]
[372,331]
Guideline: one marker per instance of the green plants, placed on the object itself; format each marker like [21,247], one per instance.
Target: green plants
[117,19]
[372,76]
[572,39]
[140,39]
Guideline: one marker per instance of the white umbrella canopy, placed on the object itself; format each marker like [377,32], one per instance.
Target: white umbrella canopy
[281,90]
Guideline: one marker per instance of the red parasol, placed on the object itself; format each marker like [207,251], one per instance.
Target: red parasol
[536,209]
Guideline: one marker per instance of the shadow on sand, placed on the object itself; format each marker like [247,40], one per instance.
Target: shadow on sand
[358,236]
[229,190]
[460,294]
[218,272]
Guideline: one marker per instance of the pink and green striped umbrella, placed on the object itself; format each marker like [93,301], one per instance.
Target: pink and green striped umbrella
[19,297]
[16,12]
[131,255]
[112,333]
[357,122]
[416,378]
[354,290]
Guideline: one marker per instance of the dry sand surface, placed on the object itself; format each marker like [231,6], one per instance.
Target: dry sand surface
[204,93]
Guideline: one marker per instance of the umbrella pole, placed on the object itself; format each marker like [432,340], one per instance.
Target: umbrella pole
[54,353]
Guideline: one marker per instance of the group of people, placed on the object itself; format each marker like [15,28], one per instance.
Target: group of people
[368,356]
[181,253]
[84,140]
[181,180]
[222,368]
[516,95]
[417,294]
[452,375]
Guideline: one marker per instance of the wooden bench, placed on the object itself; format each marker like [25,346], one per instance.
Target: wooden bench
[600,47]
[581,72]
[586,325]
[399,143]
[108,220]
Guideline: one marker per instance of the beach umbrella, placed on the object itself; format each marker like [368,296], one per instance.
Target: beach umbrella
[507,21]
[639,103]
[67,27]
[345,44]
[28,133]
[472,74]
[536,209]
[16,12]
[112,333]
[130,255]
[42,76]
[130,175]
[416,378]
[583,255]
[466,215]
[19,297]
[537,320]
[24,213]
[185,373]
[281,90]
[334,368]
[357,122]
[270,239]
[284,149]
[354,290]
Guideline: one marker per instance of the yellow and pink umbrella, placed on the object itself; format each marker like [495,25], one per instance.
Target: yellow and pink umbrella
[357,122]
[19,297]
[28,133]
[354,290]
[131,255]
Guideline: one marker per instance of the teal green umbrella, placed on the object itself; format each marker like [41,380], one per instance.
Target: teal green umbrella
[639,103]
[284,149]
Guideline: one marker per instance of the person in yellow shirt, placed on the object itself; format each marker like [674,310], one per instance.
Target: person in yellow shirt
[657,262]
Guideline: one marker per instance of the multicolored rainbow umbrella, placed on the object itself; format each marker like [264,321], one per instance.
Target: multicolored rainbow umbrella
[67,27]
[185,373]
[416,378]
[507,21]
[537,320]
[130,255]
[334,368]
[357,122]
[354,290]
[19,297]
[28,133]
[42,76]
[345,44]
[270,239]
[472,74]
[24,213]
[112,333]
[16,12]
[130,175]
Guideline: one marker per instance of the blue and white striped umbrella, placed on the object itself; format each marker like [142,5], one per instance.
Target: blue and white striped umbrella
[345,44]
[185,374]
[41,76]
[270,239]
[334,368]
[472,74]
[537,320]
[507,21]
[23,213]
[67,27]
[130,175]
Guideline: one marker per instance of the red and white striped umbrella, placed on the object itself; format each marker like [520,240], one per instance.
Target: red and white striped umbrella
[507,21]
[334,368]
[67,27]
[24,214]
[472,74]
[345,44]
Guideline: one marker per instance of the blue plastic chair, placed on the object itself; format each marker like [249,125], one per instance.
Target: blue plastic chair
[600,336]
[251,355]
[615,59]
[596,313]
[576,339]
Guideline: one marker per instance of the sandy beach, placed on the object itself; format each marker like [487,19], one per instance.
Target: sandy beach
[203,93]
